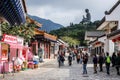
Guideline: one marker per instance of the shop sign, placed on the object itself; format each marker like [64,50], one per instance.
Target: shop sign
[9,39]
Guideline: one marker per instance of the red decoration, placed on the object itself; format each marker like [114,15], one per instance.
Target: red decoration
[118,38]
[113,40]
[97,43]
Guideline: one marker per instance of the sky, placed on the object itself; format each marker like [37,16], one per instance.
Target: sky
[66,11]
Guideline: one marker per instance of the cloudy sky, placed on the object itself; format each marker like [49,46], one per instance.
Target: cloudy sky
[66,11]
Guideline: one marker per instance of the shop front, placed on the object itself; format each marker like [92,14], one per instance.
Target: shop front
[46,42]
[115,37]
[15,54]
[97,47]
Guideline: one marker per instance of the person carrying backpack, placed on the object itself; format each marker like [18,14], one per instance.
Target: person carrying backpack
[108,61]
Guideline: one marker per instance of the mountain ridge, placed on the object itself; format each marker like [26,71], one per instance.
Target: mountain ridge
[47,24]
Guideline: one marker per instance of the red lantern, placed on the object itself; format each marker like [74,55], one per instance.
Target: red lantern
[118,38]
[113,40]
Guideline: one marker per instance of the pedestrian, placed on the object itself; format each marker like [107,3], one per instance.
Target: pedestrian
[73,55]
[81,58]
[62,59]
[70,59]
[78,58]
[95,60]
[117,63]
[107,62]
[101,62]
[85,60]
[40,54]
[113,59]
[59,58]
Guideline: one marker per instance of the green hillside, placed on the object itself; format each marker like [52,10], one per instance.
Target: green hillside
[74,34]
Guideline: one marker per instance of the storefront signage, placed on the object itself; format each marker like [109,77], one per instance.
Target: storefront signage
[9,39]
[12,39]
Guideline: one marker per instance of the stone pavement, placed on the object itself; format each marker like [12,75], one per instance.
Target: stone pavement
[49,70]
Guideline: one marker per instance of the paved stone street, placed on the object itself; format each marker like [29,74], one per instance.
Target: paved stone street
[49,71]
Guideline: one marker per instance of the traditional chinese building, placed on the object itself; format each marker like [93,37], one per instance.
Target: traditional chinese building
[110,24]
[95,41]
[46,42]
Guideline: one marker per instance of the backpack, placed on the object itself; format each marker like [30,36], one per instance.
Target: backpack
[108,59]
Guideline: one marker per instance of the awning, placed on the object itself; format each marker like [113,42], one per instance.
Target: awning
[12,11]
[114,34]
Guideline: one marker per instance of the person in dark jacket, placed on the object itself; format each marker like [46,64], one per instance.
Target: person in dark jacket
[85,60]
[117,63]
[70,59]
[95,61]
[113,59]
[101,61]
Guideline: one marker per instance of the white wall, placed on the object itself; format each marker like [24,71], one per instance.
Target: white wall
[114,16]
[102,39]
[109,47]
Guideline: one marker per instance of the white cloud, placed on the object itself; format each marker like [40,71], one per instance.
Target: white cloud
[66,11]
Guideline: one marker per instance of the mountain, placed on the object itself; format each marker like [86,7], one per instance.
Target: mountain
[47,25]
[75,32]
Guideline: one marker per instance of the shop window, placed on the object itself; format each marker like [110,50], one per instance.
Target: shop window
[4,51]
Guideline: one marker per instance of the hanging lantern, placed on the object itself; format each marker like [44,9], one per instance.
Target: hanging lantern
[113,40]
[118,38]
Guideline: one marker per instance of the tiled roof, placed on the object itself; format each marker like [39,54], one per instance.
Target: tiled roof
[113,33]
[102,20]
[109,12]
[12,11]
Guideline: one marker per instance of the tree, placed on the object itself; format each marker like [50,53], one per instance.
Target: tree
[70,40]
[76,31]
[25,30]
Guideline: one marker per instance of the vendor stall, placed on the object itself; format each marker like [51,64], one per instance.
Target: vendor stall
[16,50]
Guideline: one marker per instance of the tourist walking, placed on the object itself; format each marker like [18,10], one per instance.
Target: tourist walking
[95,61]
[85,60]
[117,63]
[70,59]
[78,58]
[59,58]
[113,59]
[101,62]
[107,62]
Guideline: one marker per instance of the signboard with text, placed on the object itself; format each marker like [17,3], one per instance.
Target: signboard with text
[9,39]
